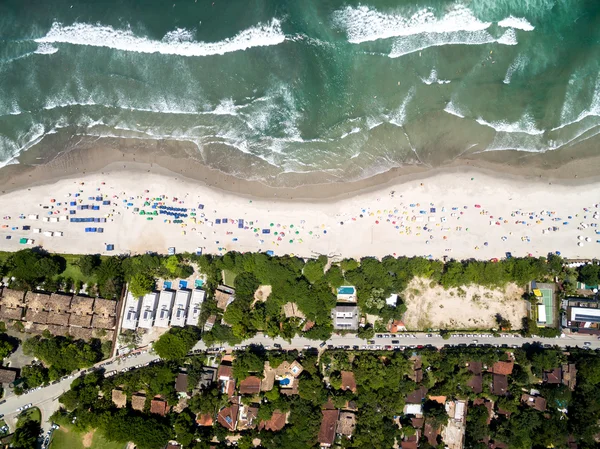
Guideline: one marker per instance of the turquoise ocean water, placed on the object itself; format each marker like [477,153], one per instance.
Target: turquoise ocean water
[347,88]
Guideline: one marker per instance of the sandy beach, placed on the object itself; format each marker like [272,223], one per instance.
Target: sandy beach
[458,215]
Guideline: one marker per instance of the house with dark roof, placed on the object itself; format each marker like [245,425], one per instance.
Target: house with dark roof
[7,376]
[536,402]
[476,380]
[416,372]
[553,376]
[328,425]
[499,384]
[569,375]
[181,384]
[417,396]
[159,406]
[250,385]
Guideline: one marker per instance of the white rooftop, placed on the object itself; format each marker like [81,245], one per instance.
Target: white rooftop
[163,310]
[148,310]
[413,409]
[178,313]
[541,313]
[193,312]
[131,312]
[584,314]
[392,300]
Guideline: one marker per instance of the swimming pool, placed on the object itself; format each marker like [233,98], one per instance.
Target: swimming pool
[346,290]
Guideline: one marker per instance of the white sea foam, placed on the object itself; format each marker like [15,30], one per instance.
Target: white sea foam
[568,111]
[398,117]
[364,24]
[411,44]
[177,42]
[516,22]
[352,131]
[45,49]
[225,107]
[433,78]
[453,110]
[525,125]
[517,65]
[508,38]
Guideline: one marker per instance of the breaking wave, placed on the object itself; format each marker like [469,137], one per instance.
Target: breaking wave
[178,42]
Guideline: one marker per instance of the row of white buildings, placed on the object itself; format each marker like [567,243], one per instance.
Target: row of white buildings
[163,309]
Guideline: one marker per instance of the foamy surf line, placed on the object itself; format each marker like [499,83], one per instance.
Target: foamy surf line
[363,24]
[178,42]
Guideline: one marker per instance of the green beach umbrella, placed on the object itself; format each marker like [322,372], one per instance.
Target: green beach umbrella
[291,241]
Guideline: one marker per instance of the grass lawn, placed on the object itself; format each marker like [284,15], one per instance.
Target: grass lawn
[72,270]
[71,439]
[33,414]
[228,277]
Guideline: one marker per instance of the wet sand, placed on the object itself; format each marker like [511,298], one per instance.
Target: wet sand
[180,160]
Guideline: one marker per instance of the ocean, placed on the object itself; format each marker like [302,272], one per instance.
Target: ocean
[346,88]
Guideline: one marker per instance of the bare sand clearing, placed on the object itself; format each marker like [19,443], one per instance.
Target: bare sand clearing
[456,215]
[87,439]
[472,307]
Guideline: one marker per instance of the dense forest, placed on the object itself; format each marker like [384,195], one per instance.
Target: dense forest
[310,285]
[566,410]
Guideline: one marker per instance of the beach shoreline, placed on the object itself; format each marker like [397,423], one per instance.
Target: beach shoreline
[178,159]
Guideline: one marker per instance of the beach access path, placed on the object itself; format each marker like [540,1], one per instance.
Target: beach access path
[46,398]
[457,215]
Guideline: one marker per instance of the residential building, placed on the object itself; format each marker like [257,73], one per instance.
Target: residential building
[228,416]
[195,307]
[328,426]
[7,376]
[138,401]
[163,310]
[159,406]
[182,297]
[12,304]
[181,384]
[275,423]
[499,384]
[224,296]
[119,398]
[250,385]
[345,317]
[582,315]
[346,424]
[247,417]
[569,375]
[476,380]
[348,381]
[226,380]
[553,376]
[536,402]
[204,419]
[148,310]
[131,312]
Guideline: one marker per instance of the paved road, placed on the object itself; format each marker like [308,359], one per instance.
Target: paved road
[46,398]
